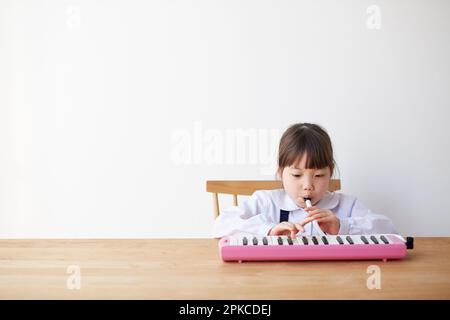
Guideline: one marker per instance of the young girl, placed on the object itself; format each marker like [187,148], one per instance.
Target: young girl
[305,166]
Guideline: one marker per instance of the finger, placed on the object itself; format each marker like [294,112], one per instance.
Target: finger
[326,219]
[321,215]
[306,221]
[296,229]
[314,212]
[299,227]
[309,219]
[287,226]
[281,232]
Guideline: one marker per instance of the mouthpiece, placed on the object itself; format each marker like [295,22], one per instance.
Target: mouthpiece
[308,202]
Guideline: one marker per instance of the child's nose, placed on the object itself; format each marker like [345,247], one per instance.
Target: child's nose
[308,188]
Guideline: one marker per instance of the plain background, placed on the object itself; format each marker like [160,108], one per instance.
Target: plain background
[113,114]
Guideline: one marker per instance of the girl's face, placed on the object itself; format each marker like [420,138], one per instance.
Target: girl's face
[301,183]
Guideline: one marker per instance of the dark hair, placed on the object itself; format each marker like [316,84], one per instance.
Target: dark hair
[309,139]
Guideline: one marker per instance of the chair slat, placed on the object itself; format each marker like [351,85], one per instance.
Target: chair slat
[248,187]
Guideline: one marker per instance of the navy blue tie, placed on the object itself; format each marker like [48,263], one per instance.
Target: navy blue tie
[284,215]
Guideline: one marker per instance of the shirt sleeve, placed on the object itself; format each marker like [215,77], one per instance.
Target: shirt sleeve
[363,221]
[249,217]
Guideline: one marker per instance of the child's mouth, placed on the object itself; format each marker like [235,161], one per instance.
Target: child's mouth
[302,201]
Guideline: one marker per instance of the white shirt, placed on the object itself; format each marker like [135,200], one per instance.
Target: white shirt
[261,212]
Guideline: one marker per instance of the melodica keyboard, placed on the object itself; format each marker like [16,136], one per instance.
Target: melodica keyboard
[329,247]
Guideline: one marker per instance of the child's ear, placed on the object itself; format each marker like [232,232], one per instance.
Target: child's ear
[279,173]
[331,173]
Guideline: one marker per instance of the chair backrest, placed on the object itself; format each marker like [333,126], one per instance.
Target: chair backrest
[248,188]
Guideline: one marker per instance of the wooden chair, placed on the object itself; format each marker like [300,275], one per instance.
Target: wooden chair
[247,188]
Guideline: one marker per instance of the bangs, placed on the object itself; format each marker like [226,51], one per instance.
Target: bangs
[315,145]
[316,158]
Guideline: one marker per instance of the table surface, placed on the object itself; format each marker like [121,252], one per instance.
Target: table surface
[191,269]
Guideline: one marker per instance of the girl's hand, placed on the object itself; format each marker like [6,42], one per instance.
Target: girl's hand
[326,219]
[286,229]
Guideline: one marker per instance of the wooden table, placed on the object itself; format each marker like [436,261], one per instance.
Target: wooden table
[191,269]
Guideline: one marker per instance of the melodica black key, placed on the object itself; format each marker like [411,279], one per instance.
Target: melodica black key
[265,242]
[289,240]
[349,239]
[324,240]
[314,240]
[305,240]
[255,241]
[374,239]
[339,240]
[244,241]
[280,241]
[383,238]
[364,239]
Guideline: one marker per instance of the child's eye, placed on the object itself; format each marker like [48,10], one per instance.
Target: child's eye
[319,175]
[296,175]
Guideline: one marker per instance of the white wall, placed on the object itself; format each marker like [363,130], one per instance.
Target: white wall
[113,114]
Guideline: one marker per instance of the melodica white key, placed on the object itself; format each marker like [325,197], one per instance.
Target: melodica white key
[328,247]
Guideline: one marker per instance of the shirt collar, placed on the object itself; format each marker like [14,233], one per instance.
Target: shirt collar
[329,201]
